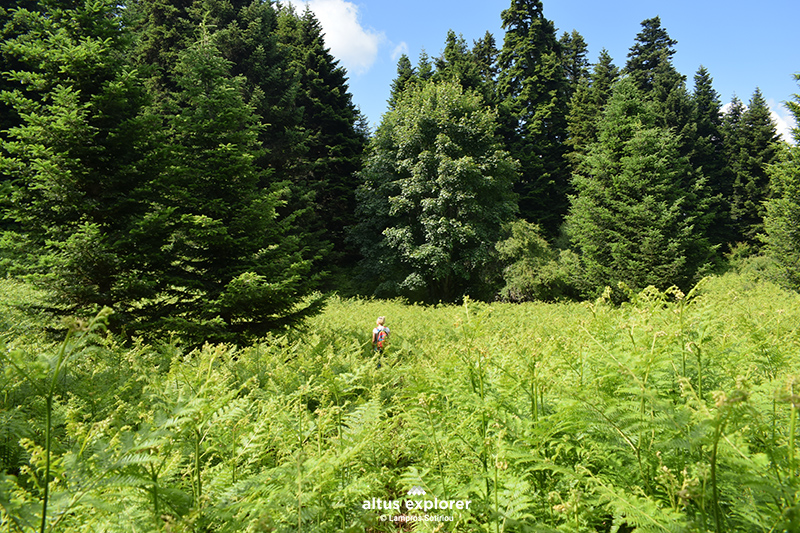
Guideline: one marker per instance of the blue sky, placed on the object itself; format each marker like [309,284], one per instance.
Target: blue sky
[744,45]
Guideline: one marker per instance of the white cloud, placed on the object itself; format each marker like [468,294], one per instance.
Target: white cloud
[399,50]
[784,120]
[726,108]
[352,44]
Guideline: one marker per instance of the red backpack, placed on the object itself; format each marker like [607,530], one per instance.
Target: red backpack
[380,337]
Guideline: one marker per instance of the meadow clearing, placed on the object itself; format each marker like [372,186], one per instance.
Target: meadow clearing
[671,412]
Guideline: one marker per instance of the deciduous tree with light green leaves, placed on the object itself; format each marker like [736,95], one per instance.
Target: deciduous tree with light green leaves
[437,191]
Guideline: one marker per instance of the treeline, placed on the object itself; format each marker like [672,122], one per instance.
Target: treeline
[621,175]
[200,167]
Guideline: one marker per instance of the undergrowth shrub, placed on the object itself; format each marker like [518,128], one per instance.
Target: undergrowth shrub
[533,270]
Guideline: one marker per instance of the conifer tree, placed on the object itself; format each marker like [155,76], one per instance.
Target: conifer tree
[405,75]
[485,52]
[782,217]
[163,212]
[218,261]
[581,123]
[676,109]
[751,144]
[650,66]
[631,218]
[732,134]
[653,49]
[603,76]
[457,63]
[454,56]
[163,29]
[334,144]
[573,51]
[708,153]
[708,117]
[13,25]
[408,75]
[75,155]
[587,105]
[247,36]
[581,114]
[425,68]
[533,92]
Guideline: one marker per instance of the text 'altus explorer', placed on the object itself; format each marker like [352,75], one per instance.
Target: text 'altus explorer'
[424,505]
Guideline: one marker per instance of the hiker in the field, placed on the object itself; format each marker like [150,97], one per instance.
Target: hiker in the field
[380,335]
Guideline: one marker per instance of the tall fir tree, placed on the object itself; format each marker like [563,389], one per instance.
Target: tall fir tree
[334,143]
[751,144]
[408,75]
[247,36]
[576,65]
[455,57]
[485,52]
[782,217]
[13,26]
[74,156]
[587,105]
[457,63]
[405,74]
[650,65]
[161,208]
[653,49]
[708,117]
[425,67]
[533,94]
[581,114]
[708,155]
[163,29]
[604,75]
[732,133]
[631,218]
[217,260]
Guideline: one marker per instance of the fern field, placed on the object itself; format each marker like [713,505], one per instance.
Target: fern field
[671,413]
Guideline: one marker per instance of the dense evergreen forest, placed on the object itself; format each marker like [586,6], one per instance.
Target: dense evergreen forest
[200,167]
[191,165]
